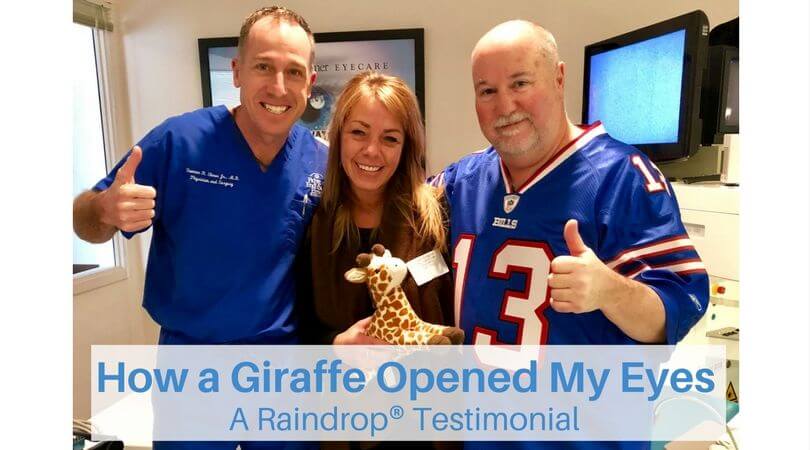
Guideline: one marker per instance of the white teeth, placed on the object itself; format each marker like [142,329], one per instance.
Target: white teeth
[369,168]
[509,130]
[275,109]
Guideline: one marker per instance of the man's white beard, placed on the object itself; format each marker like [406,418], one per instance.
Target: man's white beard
[506,144]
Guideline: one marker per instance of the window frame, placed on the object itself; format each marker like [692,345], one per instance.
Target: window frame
[102,276]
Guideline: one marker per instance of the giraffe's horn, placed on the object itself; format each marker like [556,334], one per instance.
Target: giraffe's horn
[378,249]
[363,259]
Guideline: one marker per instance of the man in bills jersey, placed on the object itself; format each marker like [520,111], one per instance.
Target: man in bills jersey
[560,233]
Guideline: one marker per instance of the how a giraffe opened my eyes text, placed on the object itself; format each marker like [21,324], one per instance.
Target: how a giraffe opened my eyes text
[392,377]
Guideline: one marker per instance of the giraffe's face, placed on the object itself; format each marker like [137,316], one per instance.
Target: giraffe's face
[383,273]
[390,271]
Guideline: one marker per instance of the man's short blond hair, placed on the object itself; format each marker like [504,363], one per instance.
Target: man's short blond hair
[277,13]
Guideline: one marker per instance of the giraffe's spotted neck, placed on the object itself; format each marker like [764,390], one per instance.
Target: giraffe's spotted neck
[381,286]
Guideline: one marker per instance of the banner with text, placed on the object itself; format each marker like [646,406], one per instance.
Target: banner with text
[264,393]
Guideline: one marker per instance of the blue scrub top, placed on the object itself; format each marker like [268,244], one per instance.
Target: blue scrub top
[225,234]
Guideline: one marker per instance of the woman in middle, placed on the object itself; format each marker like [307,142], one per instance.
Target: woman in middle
[374,192]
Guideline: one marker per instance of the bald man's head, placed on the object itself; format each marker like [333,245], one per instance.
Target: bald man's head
[519,98]
[520,32]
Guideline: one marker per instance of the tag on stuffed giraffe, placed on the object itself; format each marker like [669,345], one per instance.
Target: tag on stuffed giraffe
[427,267]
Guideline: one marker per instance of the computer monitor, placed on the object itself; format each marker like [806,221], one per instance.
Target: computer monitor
[645,86]
[720,104]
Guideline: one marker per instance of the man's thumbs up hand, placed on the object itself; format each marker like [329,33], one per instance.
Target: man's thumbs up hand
[126,174]
[580,282]
[576,246]
[126,205]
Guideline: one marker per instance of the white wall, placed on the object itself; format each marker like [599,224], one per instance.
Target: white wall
[110,315]
[156,72]
[162,65]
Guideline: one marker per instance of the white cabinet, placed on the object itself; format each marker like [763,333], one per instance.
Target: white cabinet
[710,213]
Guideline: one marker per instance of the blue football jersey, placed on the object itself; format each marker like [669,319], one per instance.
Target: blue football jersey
[504,239]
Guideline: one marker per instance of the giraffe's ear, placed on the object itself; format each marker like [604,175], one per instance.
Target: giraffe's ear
[363,259]
[355,275]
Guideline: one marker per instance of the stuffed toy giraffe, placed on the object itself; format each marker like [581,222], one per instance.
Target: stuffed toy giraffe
[394,320]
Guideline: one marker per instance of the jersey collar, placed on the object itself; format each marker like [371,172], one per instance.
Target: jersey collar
[587,135]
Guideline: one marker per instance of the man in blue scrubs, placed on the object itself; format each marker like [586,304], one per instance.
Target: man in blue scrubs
[228,194]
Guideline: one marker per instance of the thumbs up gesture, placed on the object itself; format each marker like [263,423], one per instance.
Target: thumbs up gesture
[580,282]
[126,205]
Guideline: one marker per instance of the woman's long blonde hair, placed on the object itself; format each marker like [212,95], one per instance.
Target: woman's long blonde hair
[406,194]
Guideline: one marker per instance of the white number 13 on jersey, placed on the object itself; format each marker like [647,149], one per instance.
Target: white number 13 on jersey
[523,308]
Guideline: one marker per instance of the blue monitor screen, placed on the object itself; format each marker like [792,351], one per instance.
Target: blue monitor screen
[635,90]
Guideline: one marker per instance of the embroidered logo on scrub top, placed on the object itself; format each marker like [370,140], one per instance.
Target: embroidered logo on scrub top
[315,184]
[208,177]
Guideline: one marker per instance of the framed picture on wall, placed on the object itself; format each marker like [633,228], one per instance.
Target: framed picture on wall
[338,57]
